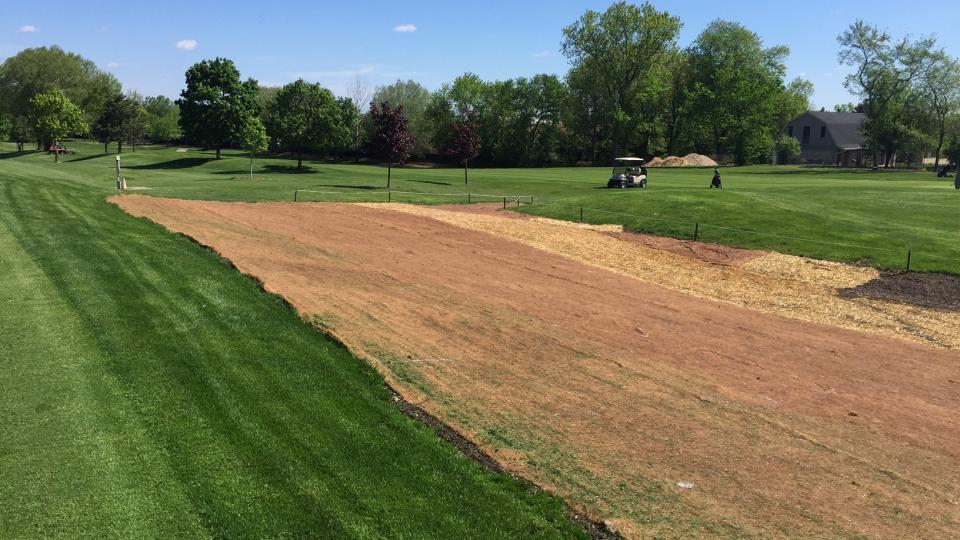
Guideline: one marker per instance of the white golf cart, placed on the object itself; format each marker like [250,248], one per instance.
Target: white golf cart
[628,172]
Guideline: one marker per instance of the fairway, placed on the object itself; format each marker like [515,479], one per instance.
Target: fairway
[856,216]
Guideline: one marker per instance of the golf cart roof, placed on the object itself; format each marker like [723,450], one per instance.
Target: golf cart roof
[630,159]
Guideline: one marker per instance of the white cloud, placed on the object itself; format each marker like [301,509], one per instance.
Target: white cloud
[405,28]
[541,54]
[112,65]
[28,28]
[187,44]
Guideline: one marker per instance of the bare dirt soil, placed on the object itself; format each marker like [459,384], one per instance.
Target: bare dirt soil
[599,367]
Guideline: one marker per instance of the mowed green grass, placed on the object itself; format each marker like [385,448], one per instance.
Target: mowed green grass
[875,217]
[150,390]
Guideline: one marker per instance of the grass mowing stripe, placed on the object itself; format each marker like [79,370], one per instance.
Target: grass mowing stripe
[58,405]
[248,422]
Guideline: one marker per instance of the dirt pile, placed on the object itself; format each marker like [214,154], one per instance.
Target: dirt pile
[689,160]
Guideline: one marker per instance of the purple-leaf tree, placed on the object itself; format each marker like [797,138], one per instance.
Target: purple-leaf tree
[391,140]
[464,140]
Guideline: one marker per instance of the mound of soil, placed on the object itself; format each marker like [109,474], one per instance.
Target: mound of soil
[689,160]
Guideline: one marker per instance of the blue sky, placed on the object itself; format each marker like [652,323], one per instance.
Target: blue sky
[149,45]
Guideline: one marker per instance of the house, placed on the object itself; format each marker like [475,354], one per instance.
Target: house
[830,138]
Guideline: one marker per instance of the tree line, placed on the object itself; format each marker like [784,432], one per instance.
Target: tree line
[631,89]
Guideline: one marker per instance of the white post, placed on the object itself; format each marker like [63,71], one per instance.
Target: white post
[118,173]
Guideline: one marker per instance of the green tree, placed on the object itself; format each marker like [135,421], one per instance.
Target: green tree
[614,51]
[254,139]
[952,150]
[307,117]
[941,86]
[163,119]
[215,105]
[786,149]
[452,101]
[414,98]
[20,130]
[737,100]
[884,72]
[123,119]
[55,117]
[37,70]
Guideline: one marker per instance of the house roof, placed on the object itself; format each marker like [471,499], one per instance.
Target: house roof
[844,127]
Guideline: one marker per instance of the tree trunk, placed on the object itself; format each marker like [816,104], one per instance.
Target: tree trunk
[389,167]
[936,160]
[218,152]
[465,172]
[119,147]
[299,158]
[106,150]
[251,165]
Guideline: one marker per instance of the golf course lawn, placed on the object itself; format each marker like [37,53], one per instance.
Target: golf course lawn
[151,390]
[875,217]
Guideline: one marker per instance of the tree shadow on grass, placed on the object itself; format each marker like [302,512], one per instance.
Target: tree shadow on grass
[180,163]
[8,155]
[937,291]
[85,158]
[431,182]
[290,169]
[344,186]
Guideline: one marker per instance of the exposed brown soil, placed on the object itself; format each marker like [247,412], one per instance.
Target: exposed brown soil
[937,291]
[689,160]
[611,390]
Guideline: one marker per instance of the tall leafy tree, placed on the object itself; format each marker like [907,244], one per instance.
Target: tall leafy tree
[941,87]
[306,116]
[216,106]
[612,52]
[4,127]
[391,140]
[20,131]
[55,117]
[738,101]
[884,71]
[123,119]
[163,119]
[464,141]
[414,98]
[37,70]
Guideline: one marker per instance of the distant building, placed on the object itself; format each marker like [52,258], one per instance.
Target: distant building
[830,138]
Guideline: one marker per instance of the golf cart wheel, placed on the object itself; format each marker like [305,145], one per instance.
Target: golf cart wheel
[623,184]
[643,183]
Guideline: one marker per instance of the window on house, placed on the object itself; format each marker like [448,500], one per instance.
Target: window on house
[806,135]
[823,131]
